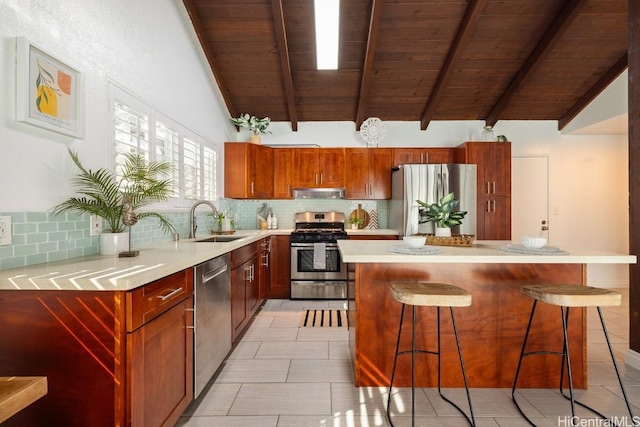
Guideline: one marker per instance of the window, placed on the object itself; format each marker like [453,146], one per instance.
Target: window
[140,129]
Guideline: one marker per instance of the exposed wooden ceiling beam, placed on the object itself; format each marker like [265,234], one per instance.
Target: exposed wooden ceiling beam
[372,40]
[593,91]
[278,20]
[197,25]
[471,16]
[551,36]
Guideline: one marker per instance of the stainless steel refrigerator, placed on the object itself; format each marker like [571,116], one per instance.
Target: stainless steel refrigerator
[428,183]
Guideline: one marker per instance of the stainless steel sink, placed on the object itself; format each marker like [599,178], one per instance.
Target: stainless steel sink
[220,239]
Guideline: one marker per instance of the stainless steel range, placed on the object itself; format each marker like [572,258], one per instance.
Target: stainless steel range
[317,270]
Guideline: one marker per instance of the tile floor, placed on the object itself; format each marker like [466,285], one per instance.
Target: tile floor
[280,375]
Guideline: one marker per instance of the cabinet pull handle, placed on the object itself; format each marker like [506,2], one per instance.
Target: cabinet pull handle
[321,178]
[488,187]
[494,187]
[288,189]
[170,294]
[265,260]
[488,206]
[494,205]
[251,187]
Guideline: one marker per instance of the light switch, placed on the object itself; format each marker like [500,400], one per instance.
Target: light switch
[5,230]
[95,225]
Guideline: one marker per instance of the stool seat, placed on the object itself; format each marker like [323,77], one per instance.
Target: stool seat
[430,294]
[572,295]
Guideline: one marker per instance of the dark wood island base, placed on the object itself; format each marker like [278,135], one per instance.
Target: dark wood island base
[491,329]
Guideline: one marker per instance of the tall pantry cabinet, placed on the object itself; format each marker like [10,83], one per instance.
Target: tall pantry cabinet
[493,186]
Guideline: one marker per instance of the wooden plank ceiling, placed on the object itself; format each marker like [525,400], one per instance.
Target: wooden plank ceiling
[415,60]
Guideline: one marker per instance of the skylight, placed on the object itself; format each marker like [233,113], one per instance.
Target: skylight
[327,14]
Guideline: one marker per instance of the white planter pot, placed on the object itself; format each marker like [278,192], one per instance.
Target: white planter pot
[443,232]
[114,243]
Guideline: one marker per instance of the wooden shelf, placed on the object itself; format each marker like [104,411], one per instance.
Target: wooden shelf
[16,393]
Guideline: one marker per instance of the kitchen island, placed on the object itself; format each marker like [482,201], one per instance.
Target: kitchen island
[491,329]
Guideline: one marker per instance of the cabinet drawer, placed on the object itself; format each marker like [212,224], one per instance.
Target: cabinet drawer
[149,301]
[240,255]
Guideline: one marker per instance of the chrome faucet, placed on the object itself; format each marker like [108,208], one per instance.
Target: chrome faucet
[192,217]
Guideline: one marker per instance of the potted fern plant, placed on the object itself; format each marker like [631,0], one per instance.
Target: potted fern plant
[443,214]
[256,126]
[115,198]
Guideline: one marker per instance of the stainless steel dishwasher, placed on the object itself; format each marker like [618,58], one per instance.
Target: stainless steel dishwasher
[212,319]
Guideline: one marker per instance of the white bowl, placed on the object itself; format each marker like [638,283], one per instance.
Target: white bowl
[414,241]
[533,242]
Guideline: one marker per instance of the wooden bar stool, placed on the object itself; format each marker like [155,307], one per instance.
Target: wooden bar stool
[430,295]
[567,296]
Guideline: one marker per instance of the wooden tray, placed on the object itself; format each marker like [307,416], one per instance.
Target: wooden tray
[457,240]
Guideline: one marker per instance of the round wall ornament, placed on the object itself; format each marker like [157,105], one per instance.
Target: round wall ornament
[372,130]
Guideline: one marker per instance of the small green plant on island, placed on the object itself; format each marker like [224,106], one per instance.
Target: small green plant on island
[443,213]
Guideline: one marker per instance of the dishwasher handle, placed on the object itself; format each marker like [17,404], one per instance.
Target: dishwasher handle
[210,275]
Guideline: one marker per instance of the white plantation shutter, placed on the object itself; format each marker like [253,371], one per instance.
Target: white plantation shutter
[138,128]
[167,149]
[209,161]
[191,162]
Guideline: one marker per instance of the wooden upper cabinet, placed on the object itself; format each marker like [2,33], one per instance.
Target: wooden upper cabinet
[319,167]
[494,166]
[283,167]
[493,160]
[407,155]
[368,173]
[248,171]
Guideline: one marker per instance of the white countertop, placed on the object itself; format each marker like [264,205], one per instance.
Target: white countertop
[110,273]
[485,252]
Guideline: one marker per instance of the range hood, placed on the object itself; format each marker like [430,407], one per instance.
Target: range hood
[318,193]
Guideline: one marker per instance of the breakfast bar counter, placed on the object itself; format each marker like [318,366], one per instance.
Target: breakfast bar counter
[491,329]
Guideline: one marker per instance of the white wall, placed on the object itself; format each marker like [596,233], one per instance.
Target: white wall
[146,46]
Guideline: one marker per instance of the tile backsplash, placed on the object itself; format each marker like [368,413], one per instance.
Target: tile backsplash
[39,237]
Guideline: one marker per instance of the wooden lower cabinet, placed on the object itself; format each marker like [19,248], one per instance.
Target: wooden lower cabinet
[245,287]
[110,358]
[160,368]
[494,218]
[280,271]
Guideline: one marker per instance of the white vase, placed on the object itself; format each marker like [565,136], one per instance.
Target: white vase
[443,232]
[114,243]
[255,139]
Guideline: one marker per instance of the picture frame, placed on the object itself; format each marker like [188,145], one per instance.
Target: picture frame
[49,92]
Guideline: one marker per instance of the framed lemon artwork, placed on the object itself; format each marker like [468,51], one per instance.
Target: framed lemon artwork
[48,91]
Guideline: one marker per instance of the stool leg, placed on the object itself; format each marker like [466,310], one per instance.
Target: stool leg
[470,419]
[413,366]
[524,346]
[565,320]
[395,362]
[615,365]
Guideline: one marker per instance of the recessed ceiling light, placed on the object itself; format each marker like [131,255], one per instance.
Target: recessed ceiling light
[327,28]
